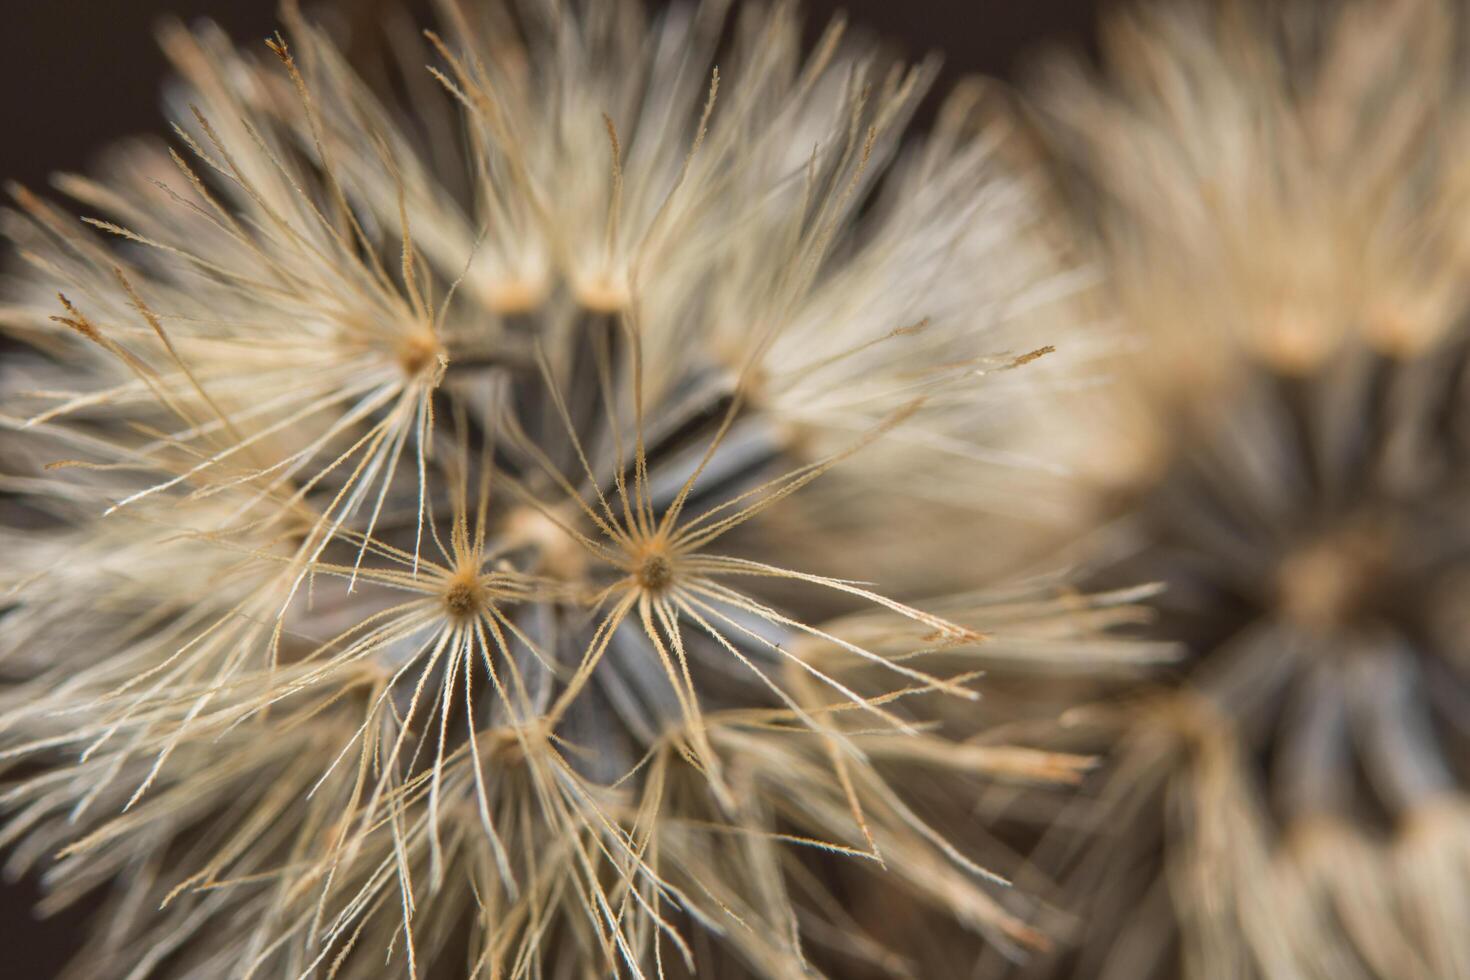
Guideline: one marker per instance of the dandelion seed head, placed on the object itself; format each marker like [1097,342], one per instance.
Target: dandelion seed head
[518,500]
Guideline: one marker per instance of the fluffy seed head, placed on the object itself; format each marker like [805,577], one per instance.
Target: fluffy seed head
[501,506]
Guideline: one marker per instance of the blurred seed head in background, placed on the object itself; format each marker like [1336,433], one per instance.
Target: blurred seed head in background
[1278,201]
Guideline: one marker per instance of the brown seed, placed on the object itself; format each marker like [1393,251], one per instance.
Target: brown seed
[463,598]
[655,573]
[417,352]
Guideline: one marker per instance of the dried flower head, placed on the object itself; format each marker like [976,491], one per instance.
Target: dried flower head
[450,517]
[1279,200]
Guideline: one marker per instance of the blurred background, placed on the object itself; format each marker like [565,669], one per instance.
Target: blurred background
[78,74]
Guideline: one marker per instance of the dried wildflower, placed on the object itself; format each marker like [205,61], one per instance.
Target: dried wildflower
[453,540]
[1280,205]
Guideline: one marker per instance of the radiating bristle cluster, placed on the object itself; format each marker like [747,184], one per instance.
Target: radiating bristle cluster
[498,534]
[1278,198]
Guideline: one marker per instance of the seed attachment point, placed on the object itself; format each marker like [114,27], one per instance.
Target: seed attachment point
[656,573]
[464,598]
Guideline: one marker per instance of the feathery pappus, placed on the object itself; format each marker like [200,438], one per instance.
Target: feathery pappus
[518,525]
[1278,197]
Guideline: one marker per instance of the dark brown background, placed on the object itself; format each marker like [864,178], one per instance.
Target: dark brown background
[76,74]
